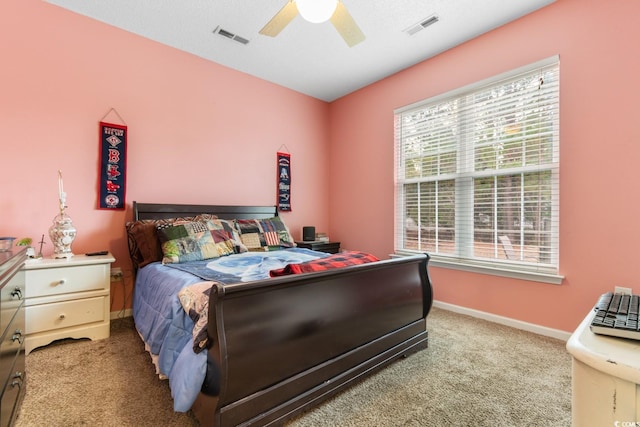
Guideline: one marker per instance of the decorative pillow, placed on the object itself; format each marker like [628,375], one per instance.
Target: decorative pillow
[204,217]
[144,243]
[226,229]
[144,246]
[264,234]
[192,241]
[143,240]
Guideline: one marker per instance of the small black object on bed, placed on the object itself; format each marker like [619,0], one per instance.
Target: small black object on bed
[282,345]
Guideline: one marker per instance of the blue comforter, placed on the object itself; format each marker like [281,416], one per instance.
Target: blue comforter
[248,266]
[167,329]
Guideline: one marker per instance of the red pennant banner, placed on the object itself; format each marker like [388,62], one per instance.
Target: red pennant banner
[113,166]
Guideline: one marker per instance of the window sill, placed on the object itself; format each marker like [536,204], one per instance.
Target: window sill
[492,269]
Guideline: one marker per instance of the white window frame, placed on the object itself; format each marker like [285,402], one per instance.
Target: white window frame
[463,257]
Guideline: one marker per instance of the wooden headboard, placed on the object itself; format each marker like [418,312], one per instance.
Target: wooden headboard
[163,211]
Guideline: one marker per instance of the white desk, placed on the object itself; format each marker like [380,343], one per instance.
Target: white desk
[605,378]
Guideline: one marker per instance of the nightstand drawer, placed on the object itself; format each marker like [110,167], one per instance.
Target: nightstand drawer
[321,246]
[65,280]
[64,314]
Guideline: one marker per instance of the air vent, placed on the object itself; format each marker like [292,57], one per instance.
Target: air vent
[230,35]
[424,23]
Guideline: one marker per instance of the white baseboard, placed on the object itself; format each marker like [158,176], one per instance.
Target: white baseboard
[518,324]
[121,314]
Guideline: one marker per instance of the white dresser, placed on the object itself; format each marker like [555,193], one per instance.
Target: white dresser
[67,298]
[605,379]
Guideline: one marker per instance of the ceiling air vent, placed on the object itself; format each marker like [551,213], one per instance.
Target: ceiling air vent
[424,23]
[230,35]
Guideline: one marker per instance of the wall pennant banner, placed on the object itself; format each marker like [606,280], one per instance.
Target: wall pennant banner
[284,182]
[113,166]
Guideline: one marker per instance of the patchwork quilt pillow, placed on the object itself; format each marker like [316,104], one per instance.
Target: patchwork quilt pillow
[143,240]
[225,229]
[192,241]
[264,234]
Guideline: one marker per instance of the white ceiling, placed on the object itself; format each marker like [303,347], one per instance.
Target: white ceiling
[308,58]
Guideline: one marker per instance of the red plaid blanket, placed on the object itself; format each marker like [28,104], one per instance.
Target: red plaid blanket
[342,259]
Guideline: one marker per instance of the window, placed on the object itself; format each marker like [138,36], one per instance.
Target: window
[477,174]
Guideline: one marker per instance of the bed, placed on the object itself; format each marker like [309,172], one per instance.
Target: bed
[261,351]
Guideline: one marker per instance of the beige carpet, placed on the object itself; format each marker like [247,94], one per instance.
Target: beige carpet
[474,373]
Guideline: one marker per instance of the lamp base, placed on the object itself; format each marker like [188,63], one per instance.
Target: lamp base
[66,255]
[62,234]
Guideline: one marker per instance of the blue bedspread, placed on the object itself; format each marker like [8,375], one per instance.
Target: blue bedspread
[247,266]
[166,327]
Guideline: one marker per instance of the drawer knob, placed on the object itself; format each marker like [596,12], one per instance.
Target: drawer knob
[17,292]
[17,336]
[17,379]
[61,281]
[62,316]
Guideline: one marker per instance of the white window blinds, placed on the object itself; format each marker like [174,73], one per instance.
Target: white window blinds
[477,171]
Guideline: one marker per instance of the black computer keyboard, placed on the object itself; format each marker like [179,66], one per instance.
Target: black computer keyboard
[617,316]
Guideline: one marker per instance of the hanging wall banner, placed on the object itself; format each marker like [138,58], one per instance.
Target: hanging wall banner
[113,166]
[284,182]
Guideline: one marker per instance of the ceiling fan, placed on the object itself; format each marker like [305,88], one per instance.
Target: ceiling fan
[316,11]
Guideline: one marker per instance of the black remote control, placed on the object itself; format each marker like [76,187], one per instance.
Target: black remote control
[96,253]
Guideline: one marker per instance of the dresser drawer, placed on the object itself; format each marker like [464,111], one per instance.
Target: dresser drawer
[11,344]
[65,280]
[64,314]
[12,334]
[13,393]
[11,297]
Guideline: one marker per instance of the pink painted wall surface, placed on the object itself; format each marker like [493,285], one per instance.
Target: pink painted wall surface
[198,132]
[203,133]
[600,149]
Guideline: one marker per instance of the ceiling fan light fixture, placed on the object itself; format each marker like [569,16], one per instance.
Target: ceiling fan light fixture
[316,11]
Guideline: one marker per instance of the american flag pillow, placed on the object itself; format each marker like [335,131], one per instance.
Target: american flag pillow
[264,234]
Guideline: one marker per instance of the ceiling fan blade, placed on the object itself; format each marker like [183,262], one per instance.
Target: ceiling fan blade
[280,20]
[346,26]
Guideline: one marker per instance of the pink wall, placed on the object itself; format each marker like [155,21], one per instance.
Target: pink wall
[198,132]
[599,210]
[189,138]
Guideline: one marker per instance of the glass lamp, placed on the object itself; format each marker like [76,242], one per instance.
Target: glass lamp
[62,232]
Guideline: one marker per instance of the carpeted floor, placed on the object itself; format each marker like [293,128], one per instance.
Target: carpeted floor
[109,382]
[474,373]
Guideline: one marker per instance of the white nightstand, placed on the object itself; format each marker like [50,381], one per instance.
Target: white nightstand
[67,298]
